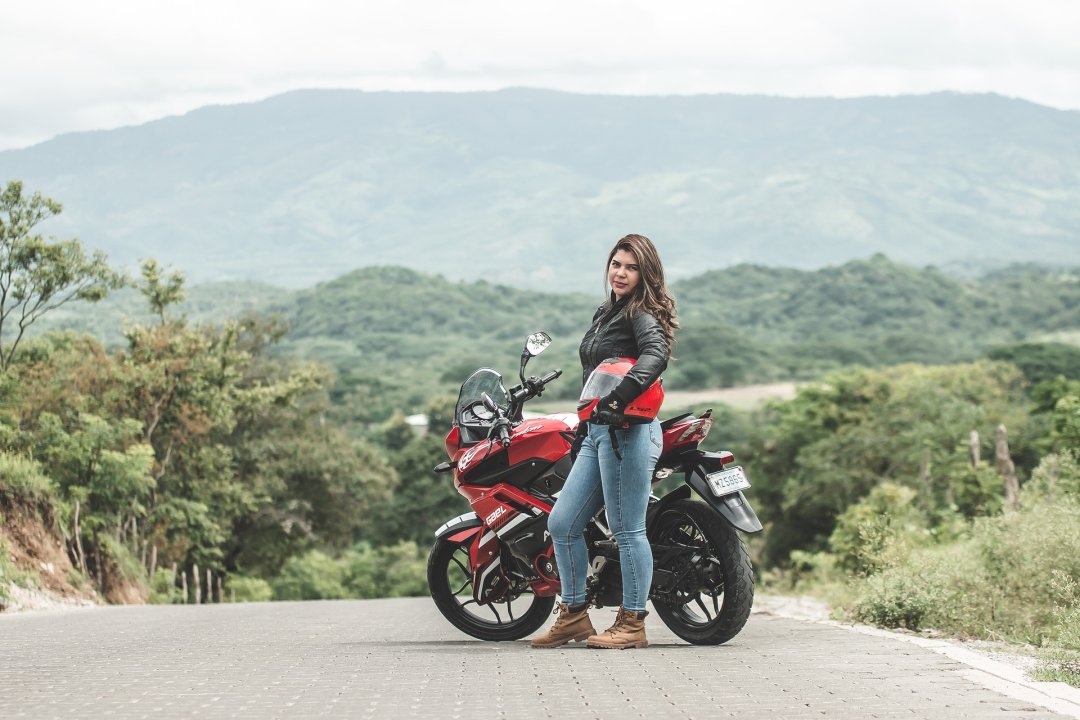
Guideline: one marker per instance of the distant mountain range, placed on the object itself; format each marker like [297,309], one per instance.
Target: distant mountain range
[530,187]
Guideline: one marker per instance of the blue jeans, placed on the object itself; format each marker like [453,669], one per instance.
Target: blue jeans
[598,479]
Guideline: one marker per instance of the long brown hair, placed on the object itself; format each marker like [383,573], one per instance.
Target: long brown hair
[651,294]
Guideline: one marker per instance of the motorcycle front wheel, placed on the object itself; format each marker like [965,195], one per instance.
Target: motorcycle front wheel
[711,602]
[450,581]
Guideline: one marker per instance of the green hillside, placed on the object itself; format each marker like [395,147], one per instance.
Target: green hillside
[396,337]
[528,187]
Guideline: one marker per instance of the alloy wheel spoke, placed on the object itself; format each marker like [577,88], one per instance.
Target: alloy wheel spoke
[704,609]
[462,566]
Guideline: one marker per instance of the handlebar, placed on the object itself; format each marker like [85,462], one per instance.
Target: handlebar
[518,395]
[550,376]
[504,432]
[532,387]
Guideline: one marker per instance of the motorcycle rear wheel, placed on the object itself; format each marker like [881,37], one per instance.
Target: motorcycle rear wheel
[712,603]
[450,584]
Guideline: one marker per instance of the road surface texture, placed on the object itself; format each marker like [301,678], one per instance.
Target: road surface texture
[399,658]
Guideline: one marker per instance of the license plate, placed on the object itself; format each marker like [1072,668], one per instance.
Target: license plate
[728,481]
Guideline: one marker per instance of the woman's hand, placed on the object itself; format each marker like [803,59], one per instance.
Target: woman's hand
[608,411]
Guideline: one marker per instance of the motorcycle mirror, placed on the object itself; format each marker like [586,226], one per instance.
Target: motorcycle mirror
[537,343]
[488,402]
[534,345]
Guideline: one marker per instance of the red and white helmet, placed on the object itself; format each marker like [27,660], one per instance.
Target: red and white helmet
[605,378]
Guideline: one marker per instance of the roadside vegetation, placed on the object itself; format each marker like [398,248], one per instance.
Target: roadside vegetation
[893,501]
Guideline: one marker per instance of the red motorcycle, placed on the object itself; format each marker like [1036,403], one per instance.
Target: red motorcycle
[492,571]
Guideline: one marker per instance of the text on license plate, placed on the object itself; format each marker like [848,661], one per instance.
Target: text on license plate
[728,481]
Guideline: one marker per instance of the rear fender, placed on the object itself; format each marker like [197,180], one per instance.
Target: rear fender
[734,507]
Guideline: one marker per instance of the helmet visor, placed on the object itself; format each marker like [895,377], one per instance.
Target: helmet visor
[599,384]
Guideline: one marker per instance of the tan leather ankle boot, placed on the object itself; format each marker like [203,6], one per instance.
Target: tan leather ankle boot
[568,626]
[627,632]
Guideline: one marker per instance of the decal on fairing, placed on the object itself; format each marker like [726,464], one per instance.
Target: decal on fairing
[471,454]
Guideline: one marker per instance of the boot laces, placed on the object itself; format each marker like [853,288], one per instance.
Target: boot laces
[563,611]
[622,621]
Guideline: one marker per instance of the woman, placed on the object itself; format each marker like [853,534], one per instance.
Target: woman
[615,464]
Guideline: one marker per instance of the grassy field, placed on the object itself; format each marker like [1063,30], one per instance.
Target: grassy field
[1069,337]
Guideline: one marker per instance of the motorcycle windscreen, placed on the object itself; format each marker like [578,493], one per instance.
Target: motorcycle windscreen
[484,380]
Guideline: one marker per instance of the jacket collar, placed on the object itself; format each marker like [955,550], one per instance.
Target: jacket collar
[612,303]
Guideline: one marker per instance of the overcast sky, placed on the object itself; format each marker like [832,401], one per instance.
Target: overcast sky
[86,65]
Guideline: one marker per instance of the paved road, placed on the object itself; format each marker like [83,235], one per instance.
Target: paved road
[398,658]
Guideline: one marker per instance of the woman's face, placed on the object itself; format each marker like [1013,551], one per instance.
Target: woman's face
[623,273]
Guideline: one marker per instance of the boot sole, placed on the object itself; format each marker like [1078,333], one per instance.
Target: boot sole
[581,637]
[628,646]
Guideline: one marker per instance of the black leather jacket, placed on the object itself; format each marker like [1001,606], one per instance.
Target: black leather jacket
[613,335]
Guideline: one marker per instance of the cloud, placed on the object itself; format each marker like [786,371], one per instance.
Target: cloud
[115,62]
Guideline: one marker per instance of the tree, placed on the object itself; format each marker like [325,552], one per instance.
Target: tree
[817,455]
[36,275]
[160,289]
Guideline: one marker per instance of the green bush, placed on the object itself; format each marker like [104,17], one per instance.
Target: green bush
[1004,580]
[898,598]
[312,576]
[163,590]
[388,571]
[1062,661]
[122,563]
[250,589]
[1066,594]
[1056,474]
[882,527]
[22,478]
[404,570]
[7,570]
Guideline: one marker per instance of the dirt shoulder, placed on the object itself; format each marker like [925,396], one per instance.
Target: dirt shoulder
[36,572]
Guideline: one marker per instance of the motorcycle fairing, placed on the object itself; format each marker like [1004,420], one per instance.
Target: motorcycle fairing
[502,510]
[485,502]
[452,442]
[686,431]
[535,444]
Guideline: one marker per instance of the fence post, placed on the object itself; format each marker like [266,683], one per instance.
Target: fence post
[183,587]
[1007,469]
[926,482]
[195,582]
[78,544]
